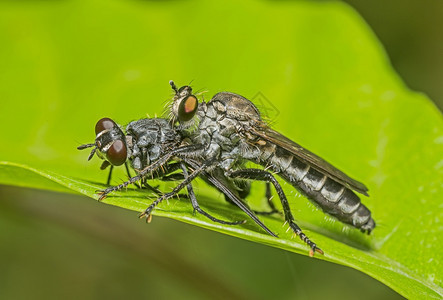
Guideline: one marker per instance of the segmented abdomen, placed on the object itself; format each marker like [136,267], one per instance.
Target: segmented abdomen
[332,197]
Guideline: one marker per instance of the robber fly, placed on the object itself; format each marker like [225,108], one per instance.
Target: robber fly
[227,132]
[146,143]
[232,131]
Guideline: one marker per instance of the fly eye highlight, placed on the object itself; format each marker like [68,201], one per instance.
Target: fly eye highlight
[117,153]
[104,124]
[187,108]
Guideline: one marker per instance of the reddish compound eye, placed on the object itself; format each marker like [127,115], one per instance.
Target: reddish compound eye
[104,124]
[187,108]
[117,153]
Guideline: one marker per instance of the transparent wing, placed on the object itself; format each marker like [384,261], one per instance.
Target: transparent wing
[308,157]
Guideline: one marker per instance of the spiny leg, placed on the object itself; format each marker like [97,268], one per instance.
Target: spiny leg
[244,189]
[164,174]
[197,207]
[268,195]
[166,169]
[129,175]
[151,168]
[221,184]
[158,174]
[181,185]
[263,175]
[111,169]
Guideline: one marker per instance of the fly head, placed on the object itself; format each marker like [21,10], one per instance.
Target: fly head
[110,143]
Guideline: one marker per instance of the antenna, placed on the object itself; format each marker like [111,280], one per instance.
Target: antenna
[173,86]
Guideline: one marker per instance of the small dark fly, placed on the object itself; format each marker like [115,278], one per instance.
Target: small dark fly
[146,139]
[145,143]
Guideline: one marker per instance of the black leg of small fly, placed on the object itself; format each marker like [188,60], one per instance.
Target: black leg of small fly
[185,150]
[197,207]
[179,187]
[263,175]
[111,168]
[231,195]
[144,183]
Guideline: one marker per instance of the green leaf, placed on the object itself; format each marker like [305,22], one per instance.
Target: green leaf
[314,67]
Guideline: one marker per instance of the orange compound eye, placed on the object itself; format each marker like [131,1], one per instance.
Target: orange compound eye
[117,153]
[104,124]
[187,108]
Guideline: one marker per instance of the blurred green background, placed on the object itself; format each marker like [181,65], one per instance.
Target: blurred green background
[410,32]
[61,246]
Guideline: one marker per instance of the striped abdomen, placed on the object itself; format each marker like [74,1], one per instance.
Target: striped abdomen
[332,197]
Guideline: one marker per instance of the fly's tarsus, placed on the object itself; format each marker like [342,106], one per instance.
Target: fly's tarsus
[297,230]
[145,215]
[147,212]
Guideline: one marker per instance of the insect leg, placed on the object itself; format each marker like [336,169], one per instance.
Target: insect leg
[244,188]
[268,195]
[110,175]
[151,168]
[160,174]
[181,185]
[163,174]
[129,175]
[263,175]
[197,207]
[221,186]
